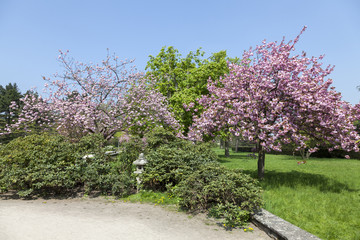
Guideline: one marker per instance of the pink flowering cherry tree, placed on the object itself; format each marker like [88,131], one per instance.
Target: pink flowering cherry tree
[96,98]
[275,98]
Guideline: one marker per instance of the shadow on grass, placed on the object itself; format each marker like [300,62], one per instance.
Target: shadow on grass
[274,179]
[223,159]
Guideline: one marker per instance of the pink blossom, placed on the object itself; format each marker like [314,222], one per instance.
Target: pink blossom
[278,97]
[96,98]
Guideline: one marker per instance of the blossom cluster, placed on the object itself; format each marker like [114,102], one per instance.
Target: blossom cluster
[275,98]
[96,98]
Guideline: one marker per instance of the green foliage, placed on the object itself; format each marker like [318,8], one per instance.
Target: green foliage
[37,162]
[191,172]
[167,165]
[184,79]
[51,164]
[231,214]
[130,151]
[91,143]
[160,136]
[103,174]
[171,69]
[158,198]
[8,94]
[229,194]
[170,158]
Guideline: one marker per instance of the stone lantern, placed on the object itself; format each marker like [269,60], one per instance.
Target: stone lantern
[139,163]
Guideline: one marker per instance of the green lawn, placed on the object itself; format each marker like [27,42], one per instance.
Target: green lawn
[321,196]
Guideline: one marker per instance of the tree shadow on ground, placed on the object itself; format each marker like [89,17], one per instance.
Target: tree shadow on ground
[274,179]
[223,159]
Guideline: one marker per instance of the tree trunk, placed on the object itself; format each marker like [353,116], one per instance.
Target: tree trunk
[227,144]
[237,142]
[305,154]
[261,162]
[221,144]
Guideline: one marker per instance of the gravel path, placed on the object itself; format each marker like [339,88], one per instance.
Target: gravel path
[101,219]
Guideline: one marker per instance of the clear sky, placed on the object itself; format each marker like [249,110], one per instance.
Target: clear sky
[32,32]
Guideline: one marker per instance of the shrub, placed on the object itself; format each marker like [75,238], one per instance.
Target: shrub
[130,150]
[104,174]
[167,165]
[160,136]
[51,164]
[91,143]
[223,192]
[37,162]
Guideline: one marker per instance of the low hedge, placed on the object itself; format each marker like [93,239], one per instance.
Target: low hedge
[46,164]
[225,193]
[192,172]
[168,165]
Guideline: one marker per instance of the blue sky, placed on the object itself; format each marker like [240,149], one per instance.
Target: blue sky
[32,32]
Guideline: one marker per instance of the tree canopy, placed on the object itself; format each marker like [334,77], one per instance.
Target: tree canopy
[8,94]
[275,98]
[96,98]
[184,79]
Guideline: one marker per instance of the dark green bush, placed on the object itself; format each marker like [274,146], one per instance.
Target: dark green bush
[226,193]
[37,162]
[167,165]
[103,174]
[91,143]
[51,164]
[160,136]
[130,151]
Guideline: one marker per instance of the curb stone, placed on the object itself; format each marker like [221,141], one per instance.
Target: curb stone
[280,229]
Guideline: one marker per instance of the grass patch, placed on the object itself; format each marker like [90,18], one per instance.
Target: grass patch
[321,196]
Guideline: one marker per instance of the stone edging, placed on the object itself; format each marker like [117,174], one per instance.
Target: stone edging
[278,228]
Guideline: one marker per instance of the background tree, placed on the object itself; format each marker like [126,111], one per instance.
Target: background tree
[8,95]
[95,98]
[274,98]
[184,79]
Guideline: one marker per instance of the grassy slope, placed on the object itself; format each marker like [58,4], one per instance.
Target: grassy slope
[321,196]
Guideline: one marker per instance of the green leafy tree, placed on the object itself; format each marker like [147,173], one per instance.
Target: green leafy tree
[184,79]
[8,95]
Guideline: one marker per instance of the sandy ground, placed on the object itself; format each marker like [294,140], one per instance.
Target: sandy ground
[104,219]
